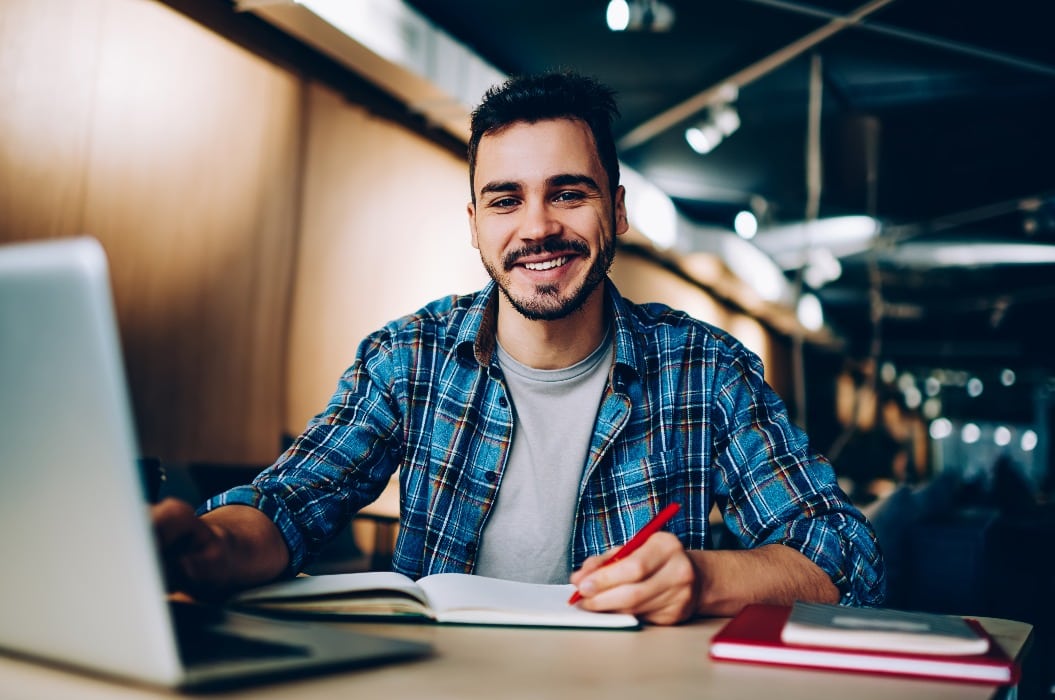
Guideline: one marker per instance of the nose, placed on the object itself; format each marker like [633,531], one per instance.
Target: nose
[539,220]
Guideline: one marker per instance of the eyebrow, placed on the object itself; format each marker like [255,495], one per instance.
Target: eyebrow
[573,179]
[503,186]
[562,180]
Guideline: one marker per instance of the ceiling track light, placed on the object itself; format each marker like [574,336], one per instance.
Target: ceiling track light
[639,16]
[721,122]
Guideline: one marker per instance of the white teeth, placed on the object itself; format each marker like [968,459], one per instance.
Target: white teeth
[548,265]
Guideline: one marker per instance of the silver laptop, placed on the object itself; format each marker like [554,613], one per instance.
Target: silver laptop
[82,585]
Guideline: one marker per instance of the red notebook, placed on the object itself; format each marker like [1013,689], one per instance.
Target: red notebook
[754,636]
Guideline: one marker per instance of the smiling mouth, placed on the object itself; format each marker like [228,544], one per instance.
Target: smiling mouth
[547,265]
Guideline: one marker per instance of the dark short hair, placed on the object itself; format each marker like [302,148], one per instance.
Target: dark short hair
[555,95]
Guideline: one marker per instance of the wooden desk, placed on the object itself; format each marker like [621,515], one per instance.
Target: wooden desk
[657,663]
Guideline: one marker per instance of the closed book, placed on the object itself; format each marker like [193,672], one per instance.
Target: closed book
[881,629]
[754,636]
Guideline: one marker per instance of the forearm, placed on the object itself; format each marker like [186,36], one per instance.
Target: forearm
[730,579]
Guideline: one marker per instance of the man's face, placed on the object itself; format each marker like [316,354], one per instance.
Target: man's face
[544,219]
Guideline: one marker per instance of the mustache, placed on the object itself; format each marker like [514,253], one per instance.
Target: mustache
[548,246]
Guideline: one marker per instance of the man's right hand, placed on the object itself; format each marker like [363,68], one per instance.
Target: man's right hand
[211,556]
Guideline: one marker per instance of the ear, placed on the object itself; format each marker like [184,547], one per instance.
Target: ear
[470,209]
[622,223]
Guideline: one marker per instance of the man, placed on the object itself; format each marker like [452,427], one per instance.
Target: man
[537,424]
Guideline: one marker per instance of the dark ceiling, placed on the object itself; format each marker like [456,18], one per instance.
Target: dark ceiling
[938,119]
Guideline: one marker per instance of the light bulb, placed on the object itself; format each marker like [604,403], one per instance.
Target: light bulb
[618,15]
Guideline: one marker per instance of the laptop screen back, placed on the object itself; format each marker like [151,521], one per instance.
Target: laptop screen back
[81,580]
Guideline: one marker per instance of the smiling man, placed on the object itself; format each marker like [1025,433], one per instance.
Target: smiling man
[546,223]
[538,424]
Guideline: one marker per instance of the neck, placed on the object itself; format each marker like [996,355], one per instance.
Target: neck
[553,344]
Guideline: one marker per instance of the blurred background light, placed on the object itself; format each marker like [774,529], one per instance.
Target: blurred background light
[746,225]
[940,428]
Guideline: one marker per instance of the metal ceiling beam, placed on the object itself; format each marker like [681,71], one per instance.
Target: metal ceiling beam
[918,38]
[651,128]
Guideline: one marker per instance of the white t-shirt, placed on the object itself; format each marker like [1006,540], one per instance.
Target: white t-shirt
[528,533]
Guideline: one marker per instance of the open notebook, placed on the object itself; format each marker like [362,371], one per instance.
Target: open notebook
[82,585]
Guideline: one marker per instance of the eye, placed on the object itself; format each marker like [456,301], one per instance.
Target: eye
[504,203]
[569,196]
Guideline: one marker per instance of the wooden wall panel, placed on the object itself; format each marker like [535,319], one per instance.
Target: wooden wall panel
[384,231]
[180,152]
[642,281]
[209,136]
[49,65]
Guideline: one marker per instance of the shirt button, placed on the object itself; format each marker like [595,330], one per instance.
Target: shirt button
[492,477]
[502,401]
[470,548]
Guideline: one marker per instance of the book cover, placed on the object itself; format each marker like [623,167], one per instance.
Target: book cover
[881,629]
[754,636]
[447,598]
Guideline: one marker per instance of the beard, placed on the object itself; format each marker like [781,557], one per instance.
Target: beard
[547,303]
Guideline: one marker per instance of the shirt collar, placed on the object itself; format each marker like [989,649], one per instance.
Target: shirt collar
[629,355]
[476,338]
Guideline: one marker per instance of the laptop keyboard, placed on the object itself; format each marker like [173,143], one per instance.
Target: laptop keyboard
[200,642]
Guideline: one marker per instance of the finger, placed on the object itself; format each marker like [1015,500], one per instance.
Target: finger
[643,563]
[172,520]
[650,600]
[188,547]
[592,564]
[657,583]
[670,596]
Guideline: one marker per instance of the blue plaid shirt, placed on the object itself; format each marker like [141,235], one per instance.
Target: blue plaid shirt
[685,416]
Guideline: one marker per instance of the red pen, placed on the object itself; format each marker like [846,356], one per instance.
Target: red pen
[636,541]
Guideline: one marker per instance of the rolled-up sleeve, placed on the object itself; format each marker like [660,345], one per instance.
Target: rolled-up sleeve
[341,462]
[780,491]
